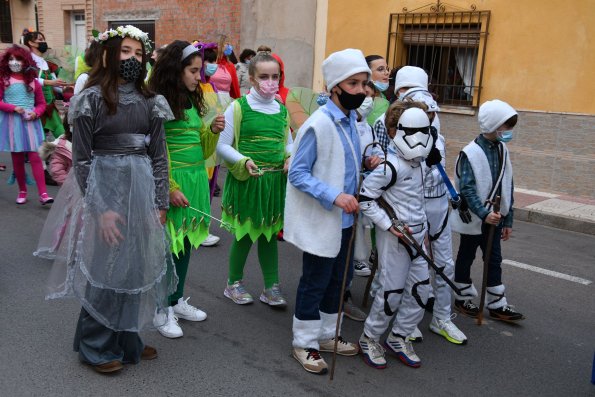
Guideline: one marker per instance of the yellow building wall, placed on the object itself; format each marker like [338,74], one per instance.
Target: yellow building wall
[540,54]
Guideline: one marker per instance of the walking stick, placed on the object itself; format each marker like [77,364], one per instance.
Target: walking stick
[348,259]
[486,262]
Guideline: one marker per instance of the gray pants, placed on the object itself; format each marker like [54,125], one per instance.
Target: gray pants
[97,344]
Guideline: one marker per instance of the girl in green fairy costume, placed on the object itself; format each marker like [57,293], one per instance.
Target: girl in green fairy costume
[176,76]
[47,78]
[255,146]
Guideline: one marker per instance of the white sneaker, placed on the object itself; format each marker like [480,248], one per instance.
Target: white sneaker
[311,360]
[416,336]
[448,330]
[210,241]
[344,348]
[403,349]
[188,312]
[170,327]
[372,351]
[361,269]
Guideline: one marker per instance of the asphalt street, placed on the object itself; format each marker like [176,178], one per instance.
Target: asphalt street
[245,350]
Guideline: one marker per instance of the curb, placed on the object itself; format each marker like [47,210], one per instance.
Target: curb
[554,220]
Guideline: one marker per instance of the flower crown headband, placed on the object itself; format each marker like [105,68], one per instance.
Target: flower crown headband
[124,31]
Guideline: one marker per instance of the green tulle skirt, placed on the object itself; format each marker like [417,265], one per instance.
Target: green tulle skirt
[185,222]
[255,206]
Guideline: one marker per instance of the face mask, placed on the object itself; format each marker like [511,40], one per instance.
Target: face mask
[130,69]
[15,66]
[247,62]
[366,108]
[43,47]
[211,68]
[350,101]
[228,50]
[381,86]
[267,88]
[504,136]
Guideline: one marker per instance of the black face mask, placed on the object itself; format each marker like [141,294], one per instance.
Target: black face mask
[130,69]
[350,101]
[42,47]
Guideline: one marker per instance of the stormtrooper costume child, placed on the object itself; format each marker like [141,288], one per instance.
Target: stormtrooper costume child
[404,276]
[439,233]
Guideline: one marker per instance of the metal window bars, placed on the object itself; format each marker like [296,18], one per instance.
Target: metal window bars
[449,46]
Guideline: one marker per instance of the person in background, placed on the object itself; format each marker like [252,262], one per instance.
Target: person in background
[242,70]
[47,78]
[21,106]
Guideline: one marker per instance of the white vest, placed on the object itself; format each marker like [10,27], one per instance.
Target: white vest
[483,182]
[306,223]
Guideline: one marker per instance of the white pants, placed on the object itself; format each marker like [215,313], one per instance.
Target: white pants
[437,213]
[361,249]
[403,282]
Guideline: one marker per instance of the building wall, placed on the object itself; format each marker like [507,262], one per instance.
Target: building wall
[176,19]
[540,54]
[539,58]
[288,27]
[22,16]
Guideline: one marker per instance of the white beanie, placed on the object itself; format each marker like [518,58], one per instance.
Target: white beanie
[342,64]
[422,95]
[492,114]
[411,76]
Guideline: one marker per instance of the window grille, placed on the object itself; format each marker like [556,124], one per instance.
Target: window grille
[449,46]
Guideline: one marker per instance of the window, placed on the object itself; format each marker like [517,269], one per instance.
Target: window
[449,46]
[145,26]
[5,22]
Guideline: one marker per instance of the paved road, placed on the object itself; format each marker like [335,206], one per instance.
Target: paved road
[245,351]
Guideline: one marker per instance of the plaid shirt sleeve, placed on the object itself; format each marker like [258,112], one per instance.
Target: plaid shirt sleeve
[381,134]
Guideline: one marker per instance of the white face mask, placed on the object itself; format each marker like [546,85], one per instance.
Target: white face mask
[366,107]
[15,66]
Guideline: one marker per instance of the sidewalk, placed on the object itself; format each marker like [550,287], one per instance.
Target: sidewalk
[576,214]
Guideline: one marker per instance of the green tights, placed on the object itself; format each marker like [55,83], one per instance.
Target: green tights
[267,256]
[181,263]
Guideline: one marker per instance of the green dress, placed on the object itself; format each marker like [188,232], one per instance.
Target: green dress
[188,143]
[52,120]
[255,206]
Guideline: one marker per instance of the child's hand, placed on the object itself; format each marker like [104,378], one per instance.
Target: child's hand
[396,232]
[30,115]
[56,83]
[110,233]
[347,203]
[286,165]
[178,199]
[252,169]
[493,218]
[162,216]
[19,110]
[372,162]
[506,233]
[218,124]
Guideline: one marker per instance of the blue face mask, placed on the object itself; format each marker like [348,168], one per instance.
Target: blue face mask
[381,86]
[504,136]
[211,68]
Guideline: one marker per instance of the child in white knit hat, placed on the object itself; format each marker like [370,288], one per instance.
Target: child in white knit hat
[320,206]
[484,171]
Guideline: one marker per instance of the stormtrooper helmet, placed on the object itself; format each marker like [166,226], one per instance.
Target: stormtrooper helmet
[413,139]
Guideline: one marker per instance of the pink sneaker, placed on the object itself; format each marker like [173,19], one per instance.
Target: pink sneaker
[22,198]
[45,199]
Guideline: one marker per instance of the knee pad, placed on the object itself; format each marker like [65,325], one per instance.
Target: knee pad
[392,299]
[420,292]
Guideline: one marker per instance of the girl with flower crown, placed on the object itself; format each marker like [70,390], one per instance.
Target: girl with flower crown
[21,105]
[255,146]
[114,257]
[176,75]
